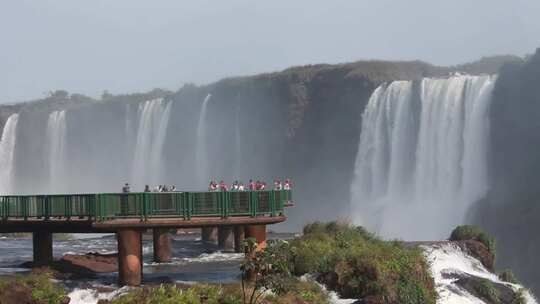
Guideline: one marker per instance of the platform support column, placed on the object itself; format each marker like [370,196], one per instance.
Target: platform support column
[129,257]
[42,242]
[258,232]
[162,245]
[209,234]
[239,237]
[225,238]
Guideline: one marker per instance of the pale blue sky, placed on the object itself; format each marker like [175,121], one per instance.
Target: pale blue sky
[132,45]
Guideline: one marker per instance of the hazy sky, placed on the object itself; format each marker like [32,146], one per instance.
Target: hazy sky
[132,45]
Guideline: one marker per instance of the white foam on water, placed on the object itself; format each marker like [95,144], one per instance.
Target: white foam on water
[217,256]
[448,258]
[92,296]
[333,296]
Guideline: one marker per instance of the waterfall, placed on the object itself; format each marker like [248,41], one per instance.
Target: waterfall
[421,160]
[7,155]
[148,166]
[56,138]
[201,155]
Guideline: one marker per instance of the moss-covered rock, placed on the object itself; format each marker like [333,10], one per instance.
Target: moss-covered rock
[358,265]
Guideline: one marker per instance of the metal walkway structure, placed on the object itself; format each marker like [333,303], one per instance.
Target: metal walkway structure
[224,217]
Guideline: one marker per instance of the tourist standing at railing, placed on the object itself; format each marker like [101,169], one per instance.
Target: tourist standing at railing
[278,185]
[223,186]
[124,198]
[241,187]
[213,186]
[287,185]
[235,186]
[252,185]
[146,188]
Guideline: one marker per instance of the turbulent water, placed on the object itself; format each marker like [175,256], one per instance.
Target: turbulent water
[7,149]
[193,261]
[449,262]
[422,156]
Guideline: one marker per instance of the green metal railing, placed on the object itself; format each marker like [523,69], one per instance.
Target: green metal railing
[144,205]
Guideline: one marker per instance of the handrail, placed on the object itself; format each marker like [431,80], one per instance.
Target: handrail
[145,205]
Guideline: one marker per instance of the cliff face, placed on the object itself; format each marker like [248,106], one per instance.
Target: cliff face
[512,209]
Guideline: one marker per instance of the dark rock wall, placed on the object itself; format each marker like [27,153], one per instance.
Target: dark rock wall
[512,209]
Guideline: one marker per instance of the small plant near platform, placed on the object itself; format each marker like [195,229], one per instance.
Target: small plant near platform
[31,288]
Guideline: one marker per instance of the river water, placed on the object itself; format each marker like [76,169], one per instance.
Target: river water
[193,261]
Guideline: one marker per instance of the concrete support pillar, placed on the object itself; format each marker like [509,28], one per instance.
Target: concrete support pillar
[239,237]
[129,257]
[258,232]
[225,238]
[162,245]
[209,234]
[42,242]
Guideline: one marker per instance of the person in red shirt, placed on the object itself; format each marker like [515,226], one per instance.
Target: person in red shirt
[222,186]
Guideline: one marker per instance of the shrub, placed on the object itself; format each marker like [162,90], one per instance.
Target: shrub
[508,276]
[469,232]
[39,287]
[485,289]
[172,294]
[300,292]
[519,297]
[358,265]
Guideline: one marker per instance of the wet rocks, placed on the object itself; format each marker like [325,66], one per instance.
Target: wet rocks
[93,262]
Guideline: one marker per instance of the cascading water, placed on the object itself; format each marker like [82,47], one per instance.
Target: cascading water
[56,138]
[152,130]
[422,156]
[7,155]
[200,151]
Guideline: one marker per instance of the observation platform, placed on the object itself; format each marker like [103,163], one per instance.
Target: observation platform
[224,217]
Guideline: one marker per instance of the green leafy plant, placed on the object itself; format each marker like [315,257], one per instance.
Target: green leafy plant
[508,276]
[469,232]
[485,289]
[264,270]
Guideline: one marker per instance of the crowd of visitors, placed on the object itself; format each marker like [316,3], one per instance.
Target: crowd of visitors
[222,186]
[251,186]
[159,188]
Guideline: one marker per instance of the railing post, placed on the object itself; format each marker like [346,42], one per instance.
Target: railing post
[67,214]
[273,203]
[25,208]
[3,208]
[47,207]
[143,207]
[190,205]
